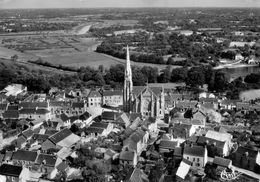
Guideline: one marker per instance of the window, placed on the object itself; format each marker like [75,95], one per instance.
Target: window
[198,165]
[194,159]
[188,158]
[198,159]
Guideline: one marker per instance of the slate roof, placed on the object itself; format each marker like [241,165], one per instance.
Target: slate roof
[11,115]
[94,93]
[137,136]
[109,115]
[203,140]
[48,160]
[252,153]
[194,151]
[167,144]
[127,155]
[136,175]
[57,137]
[27,133]
[3,107]
[24,155]
[85,116]
[59,104]
[78,105]
[40,137]
[90,130]
[222,161]
[133,116]
[10,170]
[12,107]
[155,90]
[64,117]
[99,125]
[107,93]
[33,111]
[62,166]
[33,104]
[186,104]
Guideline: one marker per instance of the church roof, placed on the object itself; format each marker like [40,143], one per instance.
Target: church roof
[138,89]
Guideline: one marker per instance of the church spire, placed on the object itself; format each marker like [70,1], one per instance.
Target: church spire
[128,83]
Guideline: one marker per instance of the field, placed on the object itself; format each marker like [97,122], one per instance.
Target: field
[250,95]
[8,53]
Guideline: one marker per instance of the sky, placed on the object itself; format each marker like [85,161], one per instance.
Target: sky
[125,3]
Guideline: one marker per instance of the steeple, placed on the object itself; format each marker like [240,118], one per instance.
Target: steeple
[128,83]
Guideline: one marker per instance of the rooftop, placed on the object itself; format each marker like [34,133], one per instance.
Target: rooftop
[10,170]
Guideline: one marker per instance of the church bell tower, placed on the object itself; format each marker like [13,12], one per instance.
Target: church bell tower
[128,84]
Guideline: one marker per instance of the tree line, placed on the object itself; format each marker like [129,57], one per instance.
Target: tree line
[194,77]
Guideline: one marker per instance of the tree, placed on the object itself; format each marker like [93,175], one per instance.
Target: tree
[165,77]
[195,77]
[179,74]
[220,81]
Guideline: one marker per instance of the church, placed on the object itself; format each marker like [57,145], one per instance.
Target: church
[149,101]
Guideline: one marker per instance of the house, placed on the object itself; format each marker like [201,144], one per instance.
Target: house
[123,120]
[84,120]
[94,99]
[14,90]
[227,104]
[199,115]
[183,169]
[39,138]
[78,108]
[167,146]
[182,131]
[74,93]
[128,157]
[110,154]
[207,95]
[63,138]
[243,107]
[99,129]
[186,104]
[34,105]
[198,155]
[45,163]
[59,107]
[24,157]
[9,114]
[113,98]
[223,137]
[219,161]
[150,124]
[10,173]
[110,115]
[137,141]
[136,175]
[20,142]
[3,108]
[247,158]
[214,147]
[35,114]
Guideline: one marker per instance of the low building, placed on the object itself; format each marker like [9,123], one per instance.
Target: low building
[136,142]
[14,90]
[45,163]
[197,155]
[10,173]
[35,114]
[247,158]
[94,99]
[24,157]
[113,98]
[128,158]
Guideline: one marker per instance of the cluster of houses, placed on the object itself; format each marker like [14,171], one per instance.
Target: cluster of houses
[191,133]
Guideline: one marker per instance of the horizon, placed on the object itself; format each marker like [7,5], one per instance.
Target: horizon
[82,4]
